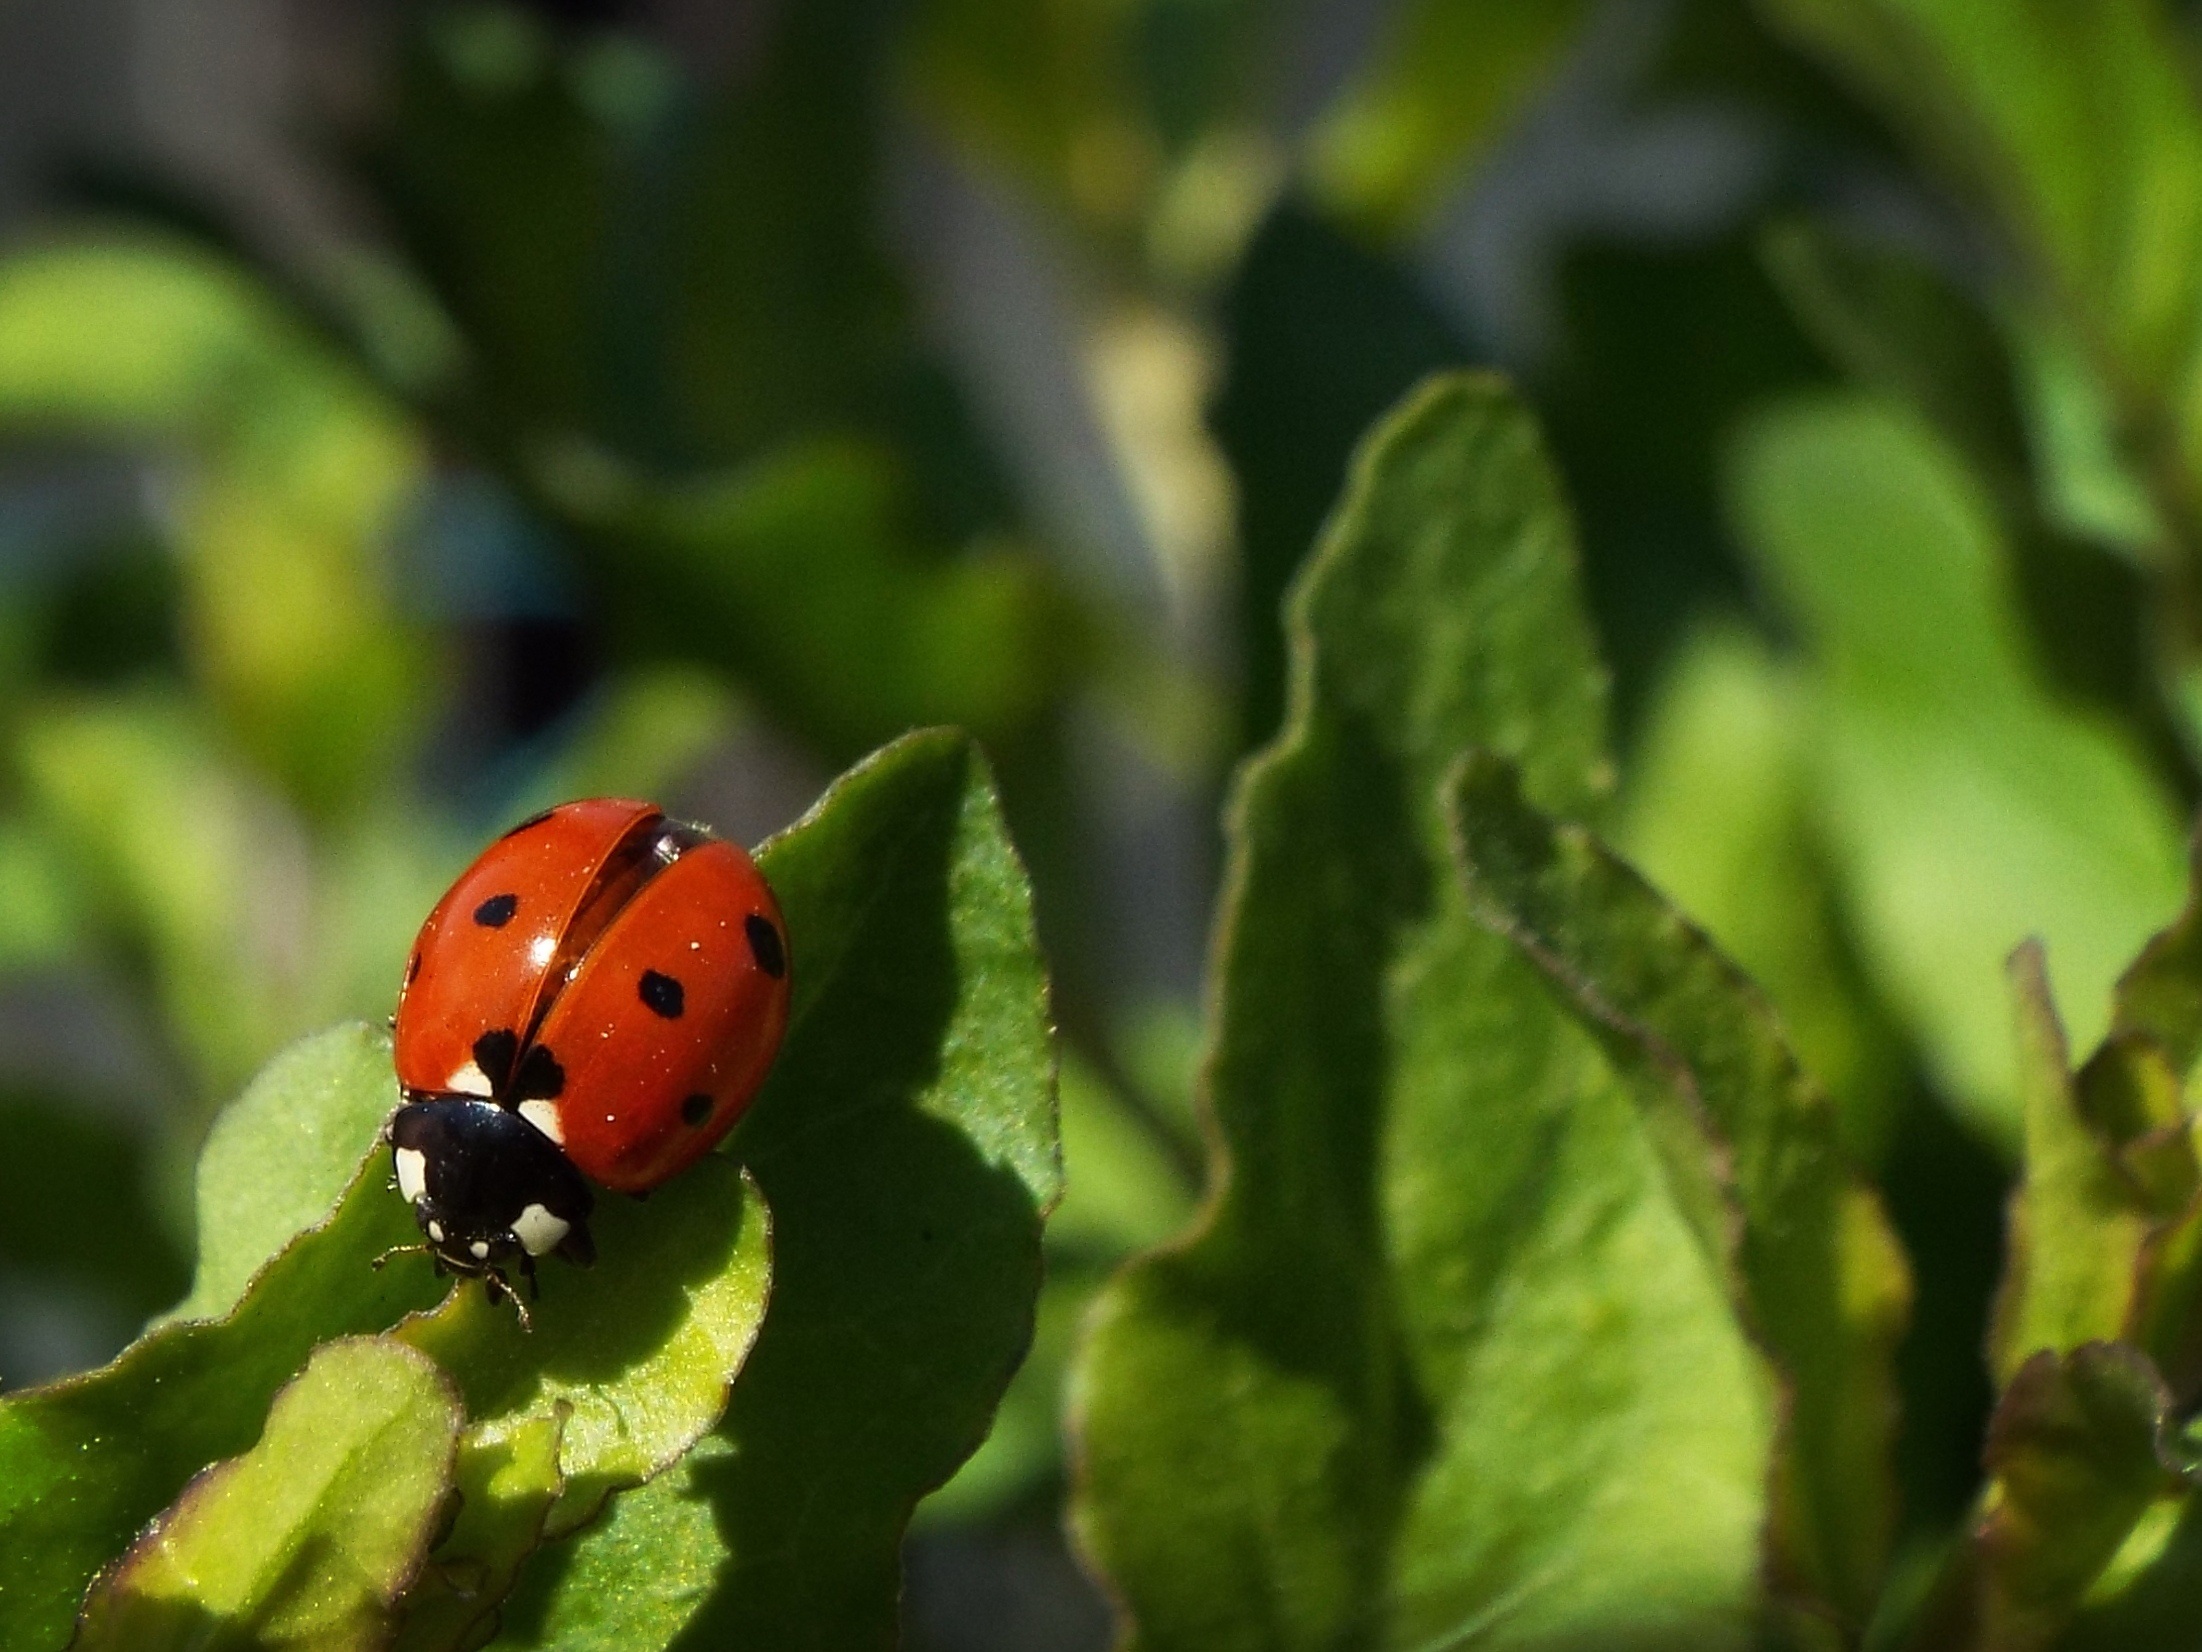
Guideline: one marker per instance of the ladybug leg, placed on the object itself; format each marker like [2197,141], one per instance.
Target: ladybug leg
[401,1250]
[527,1270]
[498,1288]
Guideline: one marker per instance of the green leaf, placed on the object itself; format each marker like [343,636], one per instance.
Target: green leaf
[635,1353]
[300,477]
[1966,806]
[2140,1154]
[2076,1459]
[323,1100]
[309,1538]
[2081,1219]
[2076,123]
[1893,322]
[507,1479]
[85,1463]
[177,851]
[632,1581]
[1444,1359]
[1024,1448]
[2159,997]
[628,1366]
[1719,816]
[125,335]
[1439,89]
[1122,1192]
[906,1144]
[795,568]
[1749,1140]
[2088,482]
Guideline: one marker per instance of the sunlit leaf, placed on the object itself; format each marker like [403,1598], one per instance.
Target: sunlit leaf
[1718,815]
[634,1353]
[1751,1147]
[2080,1219]
[1966,805]
[85,1463]
[1444,1359]
[309,1538]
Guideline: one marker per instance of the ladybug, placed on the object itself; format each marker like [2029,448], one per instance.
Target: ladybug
[595,1000]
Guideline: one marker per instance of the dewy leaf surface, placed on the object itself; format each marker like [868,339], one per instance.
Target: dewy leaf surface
[1444,1362]
[1967,807]
[906,1142]
[308,1539]
[1819,1275]
[86,1462]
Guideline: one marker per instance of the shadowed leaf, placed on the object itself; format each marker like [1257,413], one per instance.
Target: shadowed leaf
[906,1142]
[2075,1459]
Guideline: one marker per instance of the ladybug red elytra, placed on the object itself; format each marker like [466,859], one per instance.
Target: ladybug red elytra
[595,1000]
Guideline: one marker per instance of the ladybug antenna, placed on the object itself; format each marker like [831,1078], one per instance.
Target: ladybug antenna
[401,1250]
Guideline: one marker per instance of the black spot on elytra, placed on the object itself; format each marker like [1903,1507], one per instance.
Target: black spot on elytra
[497,911]
[493,1053]
[535,819]
[663,994]
[540,1078]
[695,1110]
[764,945]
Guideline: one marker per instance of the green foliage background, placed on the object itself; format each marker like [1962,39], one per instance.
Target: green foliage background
[1682,1137]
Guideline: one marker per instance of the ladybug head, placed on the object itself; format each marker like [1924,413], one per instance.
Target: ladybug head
[488,1189]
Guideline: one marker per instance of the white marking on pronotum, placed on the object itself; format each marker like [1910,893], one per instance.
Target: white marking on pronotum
[544,1117]
[435,1232]
[469,1080]
[412,1174]
[538,1231]
[480,1248]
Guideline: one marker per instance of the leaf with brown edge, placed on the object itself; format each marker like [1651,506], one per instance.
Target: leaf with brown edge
[2076,1456]
[308,1540]
[2079,1220]
[1750,1143]
[1443,1361]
